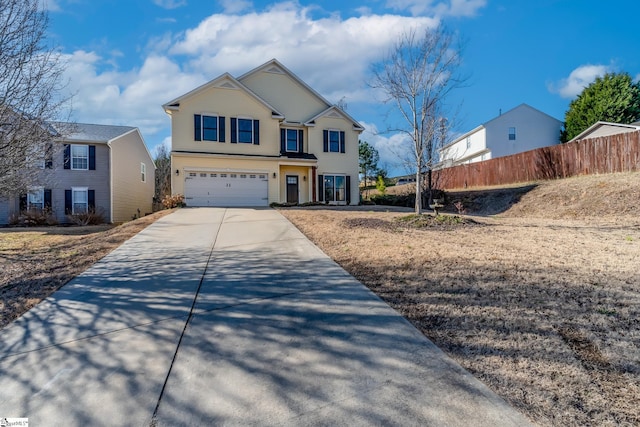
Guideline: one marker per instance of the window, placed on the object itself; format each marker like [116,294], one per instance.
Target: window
[333,141]
[292,140]
[245,131]
[35,198]
[209,128]
[143,172]
[80,199]
[512,134]
[468,142]
[334,188]
[80,157]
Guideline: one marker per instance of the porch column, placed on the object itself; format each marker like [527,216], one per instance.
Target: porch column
[312,184]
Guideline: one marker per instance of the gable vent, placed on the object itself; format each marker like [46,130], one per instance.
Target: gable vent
[275,70]
[334,114]
[227,85]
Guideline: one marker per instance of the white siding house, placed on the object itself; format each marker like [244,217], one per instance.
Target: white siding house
[521,129]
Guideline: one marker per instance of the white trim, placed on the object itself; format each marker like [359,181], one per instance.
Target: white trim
[86,146]
[73,201]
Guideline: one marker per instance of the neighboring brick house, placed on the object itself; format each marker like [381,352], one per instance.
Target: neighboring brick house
[102,167]
[263,137]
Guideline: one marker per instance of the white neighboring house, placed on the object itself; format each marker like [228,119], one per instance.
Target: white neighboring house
[521,129]
[606,129]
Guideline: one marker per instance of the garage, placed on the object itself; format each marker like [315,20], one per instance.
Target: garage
[222,189]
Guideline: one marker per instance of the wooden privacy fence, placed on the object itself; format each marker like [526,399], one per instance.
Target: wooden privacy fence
[606,154]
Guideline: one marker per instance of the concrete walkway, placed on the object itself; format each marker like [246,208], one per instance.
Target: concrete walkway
[229,317]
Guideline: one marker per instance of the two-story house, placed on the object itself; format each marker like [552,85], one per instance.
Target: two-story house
[521,129]
[260,138]
[101,167]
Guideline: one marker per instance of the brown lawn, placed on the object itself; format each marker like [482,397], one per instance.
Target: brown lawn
[35,262]
[542,302]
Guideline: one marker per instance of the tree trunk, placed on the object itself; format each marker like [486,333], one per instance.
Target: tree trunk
[418,193]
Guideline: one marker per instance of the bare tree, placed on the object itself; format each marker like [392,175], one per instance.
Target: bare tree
[417,76]
[163,173]
[30,88]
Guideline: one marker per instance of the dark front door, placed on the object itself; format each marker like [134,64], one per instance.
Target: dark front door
[292,189]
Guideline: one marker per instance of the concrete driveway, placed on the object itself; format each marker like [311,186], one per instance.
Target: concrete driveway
[229,317]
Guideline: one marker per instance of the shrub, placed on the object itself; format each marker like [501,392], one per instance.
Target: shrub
[173,201]
[90,217]
[33,217]
[381,186]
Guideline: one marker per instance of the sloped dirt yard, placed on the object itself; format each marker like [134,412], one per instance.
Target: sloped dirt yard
[546,312]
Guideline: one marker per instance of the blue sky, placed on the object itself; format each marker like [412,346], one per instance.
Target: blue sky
[126,58]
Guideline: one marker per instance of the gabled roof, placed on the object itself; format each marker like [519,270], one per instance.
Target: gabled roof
[90,132]
[227,81]
[278,65]
[616,128]
[335,112]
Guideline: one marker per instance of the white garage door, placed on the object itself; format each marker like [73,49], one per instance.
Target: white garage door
[226,189]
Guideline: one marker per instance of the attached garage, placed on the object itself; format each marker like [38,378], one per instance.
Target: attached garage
[226,189]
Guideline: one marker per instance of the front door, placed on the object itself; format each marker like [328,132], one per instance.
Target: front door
[292,189]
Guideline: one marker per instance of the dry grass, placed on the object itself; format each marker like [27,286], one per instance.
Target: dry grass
[546,312]
[35,262]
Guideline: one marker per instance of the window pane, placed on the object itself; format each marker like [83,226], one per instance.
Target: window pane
[334,141]
[80,157]
[36,199]
[80,201]
[245,130]
[340,190]
[209,128]
[292,140]
[328,188]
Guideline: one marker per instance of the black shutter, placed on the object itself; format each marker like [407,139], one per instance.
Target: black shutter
[92,157]
[47,198]
[283,141]
[91,199]
[325,141]
[256,132]
[321,188]
[67,156]
[234,132]
[348,189]
[221,129]
[342,144]
[23,202]
[300,141]
[197,127]
[68,202]
[48,156]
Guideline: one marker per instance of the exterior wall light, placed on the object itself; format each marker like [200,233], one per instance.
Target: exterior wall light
[177,172]
[274,175]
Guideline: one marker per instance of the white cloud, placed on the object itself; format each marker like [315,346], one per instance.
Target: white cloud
[235,6]
[313,49]
[579,78]
[170,4]
[438,8]
[331,54]
[392,149]
[129,98]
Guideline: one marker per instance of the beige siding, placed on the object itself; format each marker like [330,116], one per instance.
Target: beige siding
[304,180]
[286,94]
[337,163]
[228,103]
[130,194]
[184,163]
